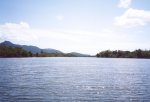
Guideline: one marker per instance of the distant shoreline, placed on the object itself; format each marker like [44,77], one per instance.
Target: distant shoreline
[75,57]
[145,54]
[10,50]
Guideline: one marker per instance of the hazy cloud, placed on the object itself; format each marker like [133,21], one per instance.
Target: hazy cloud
[14,31]
[64,40]
[124,3]
[133,17]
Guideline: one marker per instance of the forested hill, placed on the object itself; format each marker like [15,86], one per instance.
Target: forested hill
[124,54]
[33,49]
[8,49]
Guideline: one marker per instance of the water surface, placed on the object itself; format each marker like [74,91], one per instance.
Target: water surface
[74,80]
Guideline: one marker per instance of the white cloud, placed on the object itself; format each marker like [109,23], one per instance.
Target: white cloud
[21,25]
[60,18]
[24,24]
[133,17]
[124,3]
[64,40]
[13,31]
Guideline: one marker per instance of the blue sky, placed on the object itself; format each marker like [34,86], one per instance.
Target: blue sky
[86,26]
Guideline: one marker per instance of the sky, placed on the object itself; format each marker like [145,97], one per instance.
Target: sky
[85,26]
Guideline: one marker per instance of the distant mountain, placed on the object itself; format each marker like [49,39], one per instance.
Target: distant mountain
[76,54]
[35,49]
[49,50]
[32,49]
[8,43]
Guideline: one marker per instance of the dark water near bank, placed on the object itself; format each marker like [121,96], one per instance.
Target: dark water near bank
[74,80]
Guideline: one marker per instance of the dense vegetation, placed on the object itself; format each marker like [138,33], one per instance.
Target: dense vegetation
[8,51]
[124,54]
[11,51]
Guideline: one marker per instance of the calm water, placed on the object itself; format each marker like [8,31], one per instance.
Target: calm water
[74,80]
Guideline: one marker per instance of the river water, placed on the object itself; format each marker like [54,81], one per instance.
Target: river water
[74,79]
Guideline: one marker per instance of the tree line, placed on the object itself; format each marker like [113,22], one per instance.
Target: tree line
[124,54]
[8,51]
